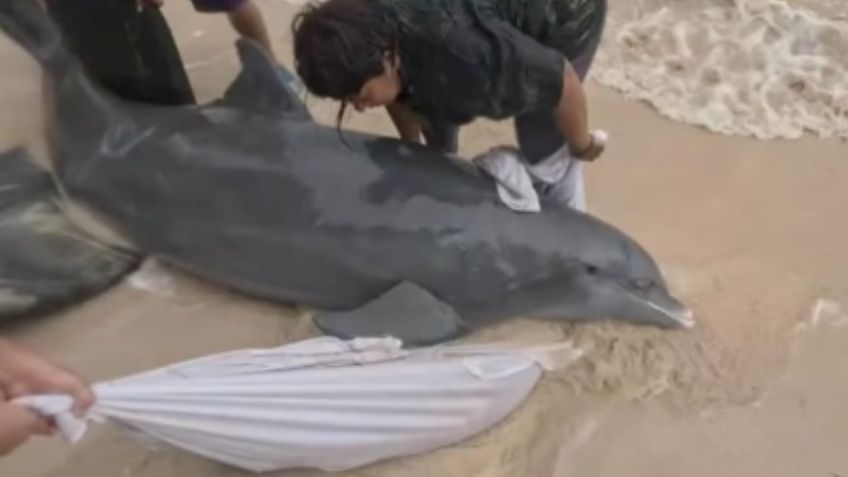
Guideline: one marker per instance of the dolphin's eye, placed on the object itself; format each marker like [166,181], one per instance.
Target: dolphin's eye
[591,269]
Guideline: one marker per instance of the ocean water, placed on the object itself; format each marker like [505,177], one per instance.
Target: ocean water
[762,68]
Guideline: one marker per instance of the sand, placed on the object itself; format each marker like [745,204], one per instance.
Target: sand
[749,232]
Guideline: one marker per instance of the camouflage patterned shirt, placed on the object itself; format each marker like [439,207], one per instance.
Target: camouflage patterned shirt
[461,59]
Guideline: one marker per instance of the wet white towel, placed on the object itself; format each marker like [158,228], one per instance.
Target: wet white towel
[517,180]
[515,186]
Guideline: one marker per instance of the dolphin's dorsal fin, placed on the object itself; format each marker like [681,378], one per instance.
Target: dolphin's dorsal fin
[263,85]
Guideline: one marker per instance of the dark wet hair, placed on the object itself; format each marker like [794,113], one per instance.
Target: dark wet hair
[339,45]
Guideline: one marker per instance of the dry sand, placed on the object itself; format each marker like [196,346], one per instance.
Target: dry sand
[748,232]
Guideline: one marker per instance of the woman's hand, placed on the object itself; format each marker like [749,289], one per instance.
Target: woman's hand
[23,373]
[17,425]
[590,151]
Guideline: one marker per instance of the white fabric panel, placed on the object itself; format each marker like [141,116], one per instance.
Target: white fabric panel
[322,403]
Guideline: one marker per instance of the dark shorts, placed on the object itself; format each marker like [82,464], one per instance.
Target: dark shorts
[217,6]
[130,52]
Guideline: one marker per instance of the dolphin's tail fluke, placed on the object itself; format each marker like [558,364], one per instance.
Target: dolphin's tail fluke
[80,115]
[25,22]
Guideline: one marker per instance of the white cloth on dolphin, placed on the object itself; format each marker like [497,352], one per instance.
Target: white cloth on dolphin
[519,183]
[513,181]
[323,403]
[560,177]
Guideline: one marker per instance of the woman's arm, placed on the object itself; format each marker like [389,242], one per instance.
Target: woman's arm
[572,117]
[407,124]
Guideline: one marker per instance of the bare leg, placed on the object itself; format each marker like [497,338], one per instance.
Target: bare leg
[248,22]
[442,136]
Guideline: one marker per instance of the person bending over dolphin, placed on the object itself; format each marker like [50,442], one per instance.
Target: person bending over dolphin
[438,64]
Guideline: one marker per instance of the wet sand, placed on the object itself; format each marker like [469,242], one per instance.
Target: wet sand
[750,234]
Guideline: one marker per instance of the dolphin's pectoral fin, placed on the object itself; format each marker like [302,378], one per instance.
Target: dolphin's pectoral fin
[407,312]
[263,85]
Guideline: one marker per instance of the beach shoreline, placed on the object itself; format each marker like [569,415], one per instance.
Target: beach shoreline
[750,233]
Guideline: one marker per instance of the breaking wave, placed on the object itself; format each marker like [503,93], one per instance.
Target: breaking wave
[761,68]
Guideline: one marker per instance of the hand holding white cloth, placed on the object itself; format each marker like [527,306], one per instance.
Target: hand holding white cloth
[516,179]
[322,403]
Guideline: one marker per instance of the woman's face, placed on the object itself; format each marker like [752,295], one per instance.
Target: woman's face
[380,90]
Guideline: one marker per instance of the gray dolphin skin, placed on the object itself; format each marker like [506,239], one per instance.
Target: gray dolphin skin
[384,237]
[46,261]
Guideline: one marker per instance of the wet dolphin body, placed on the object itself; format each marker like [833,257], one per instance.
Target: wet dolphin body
[385,237]
[46,261]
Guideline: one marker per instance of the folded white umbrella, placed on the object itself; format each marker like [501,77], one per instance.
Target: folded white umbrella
[322,403]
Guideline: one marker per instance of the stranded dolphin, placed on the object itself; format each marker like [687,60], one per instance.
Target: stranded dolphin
[385,237]
[46,261]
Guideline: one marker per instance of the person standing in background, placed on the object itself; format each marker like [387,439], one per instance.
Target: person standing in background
[126,46]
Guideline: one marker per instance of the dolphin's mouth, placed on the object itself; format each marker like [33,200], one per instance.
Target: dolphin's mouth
[668,307]
[680,313]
